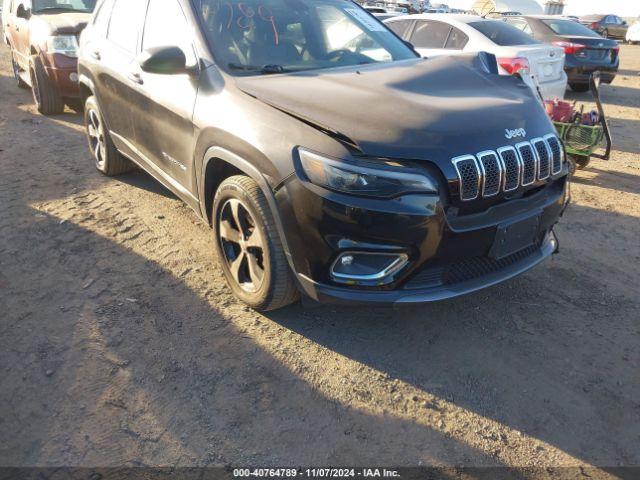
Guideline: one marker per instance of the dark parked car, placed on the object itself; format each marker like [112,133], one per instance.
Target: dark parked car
[586,51]
[327,156]
[43,36]
[608,26]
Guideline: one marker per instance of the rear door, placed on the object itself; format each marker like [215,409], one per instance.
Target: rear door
[620,27]
[117,80]
[402,28]
[611,25]
[429,38]
[163,112]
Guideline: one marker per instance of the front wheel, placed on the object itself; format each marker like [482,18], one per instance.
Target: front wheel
[105,155]
[45,95]
[16,73]
[578,162]
[249,247]
[579,87]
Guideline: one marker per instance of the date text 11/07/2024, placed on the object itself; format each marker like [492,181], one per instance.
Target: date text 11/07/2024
[315,473]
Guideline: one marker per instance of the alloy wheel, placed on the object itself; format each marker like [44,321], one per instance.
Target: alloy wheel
[243,245]
[97,142]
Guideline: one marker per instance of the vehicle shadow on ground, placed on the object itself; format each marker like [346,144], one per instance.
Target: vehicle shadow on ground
[617,181]
[111,358]
[628,73]
[138,178]
[494,353]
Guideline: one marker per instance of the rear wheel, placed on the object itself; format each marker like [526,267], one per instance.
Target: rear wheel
[605,33]
[45,96]
[249,247]
[579,87]
[105,155]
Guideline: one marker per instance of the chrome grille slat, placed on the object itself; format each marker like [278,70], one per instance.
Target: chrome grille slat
[491,169]
[541,150]
[512,168]
[557,153]
[469,176]
[488,173]
[529,163]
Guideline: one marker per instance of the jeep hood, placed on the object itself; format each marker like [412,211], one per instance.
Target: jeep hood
[417,109]
[67,23]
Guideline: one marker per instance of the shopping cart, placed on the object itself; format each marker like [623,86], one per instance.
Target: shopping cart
[582,141]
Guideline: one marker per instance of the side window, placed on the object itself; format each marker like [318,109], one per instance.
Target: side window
[125,24]
[609,19]
[400,27]
[101,19]
[457,40]
[520,24]
[167,26]
[430,35]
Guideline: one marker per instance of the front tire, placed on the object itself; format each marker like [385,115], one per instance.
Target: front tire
[45,96]
[16,73]
[105,155]
[249,247]
[578,162]
[579,87]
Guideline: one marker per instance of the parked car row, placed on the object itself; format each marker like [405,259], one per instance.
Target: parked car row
[585,51]
[527,49]
[540,65]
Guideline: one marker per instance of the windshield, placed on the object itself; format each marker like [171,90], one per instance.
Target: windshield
[85,6]
[503,34]
[274,36]
[569,28]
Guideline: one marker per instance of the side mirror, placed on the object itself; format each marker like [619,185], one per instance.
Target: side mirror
[163,61]
[624,22]
[23,12]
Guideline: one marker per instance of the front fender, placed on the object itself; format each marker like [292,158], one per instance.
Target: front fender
[218,154]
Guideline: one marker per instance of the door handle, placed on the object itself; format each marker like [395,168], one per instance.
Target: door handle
[95,55]
[135,77]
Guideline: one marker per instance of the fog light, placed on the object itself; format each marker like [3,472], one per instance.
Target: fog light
[367,268]
[74,77]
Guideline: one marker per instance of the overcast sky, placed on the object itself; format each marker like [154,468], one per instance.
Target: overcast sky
[624,8]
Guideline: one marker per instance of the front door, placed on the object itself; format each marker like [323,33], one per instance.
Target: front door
[163,113]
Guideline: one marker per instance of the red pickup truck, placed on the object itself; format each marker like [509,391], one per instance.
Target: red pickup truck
[43,36]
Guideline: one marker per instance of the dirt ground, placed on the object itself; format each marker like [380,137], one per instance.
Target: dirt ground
[121,345]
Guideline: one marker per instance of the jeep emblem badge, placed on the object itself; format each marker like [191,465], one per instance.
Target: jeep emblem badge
[519,132]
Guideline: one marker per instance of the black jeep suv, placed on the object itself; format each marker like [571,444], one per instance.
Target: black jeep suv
[328,157]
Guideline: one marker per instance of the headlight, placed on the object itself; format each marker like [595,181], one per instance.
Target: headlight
[64,44]
[363,178]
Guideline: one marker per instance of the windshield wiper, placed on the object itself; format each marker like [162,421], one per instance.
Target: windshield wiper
[265,69]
